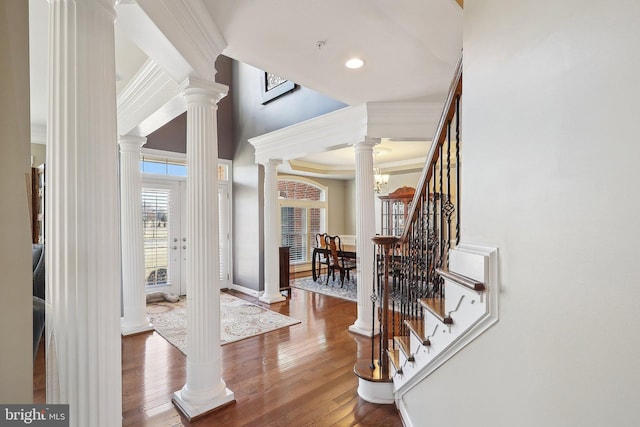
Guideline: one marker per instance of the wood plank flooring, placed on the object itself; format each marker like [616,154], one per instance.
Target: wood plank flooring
[296,376]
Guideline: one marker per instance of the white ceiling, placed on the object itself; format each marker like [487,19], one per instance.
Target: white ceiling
[410,48]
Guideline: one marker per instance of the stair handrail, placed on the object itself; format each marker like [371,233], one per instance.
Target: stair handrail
[455,91]
[411,260]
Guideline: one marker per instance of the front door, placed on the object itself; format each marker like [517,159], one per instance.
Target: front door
[165,240]
[164,235]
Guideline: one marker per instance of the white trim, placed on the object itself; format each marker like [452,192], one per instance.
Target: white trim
[246,290]
[175,266]
[307,204]
[312,183]
[126,331]
[169,155]
[148,92]
[140,27]
[333,130]
[490,318]
[160,177]
[404,413]
[348,126]
[188,26]
[229,186]
[375,392]
[192,411]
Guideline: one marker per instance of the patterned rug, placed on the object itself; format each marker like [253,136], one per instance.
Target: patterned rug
[348,291]
[240,319]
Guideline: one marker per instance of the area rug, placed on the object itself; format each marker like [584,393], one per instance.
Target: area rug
[333,288]
[239,319]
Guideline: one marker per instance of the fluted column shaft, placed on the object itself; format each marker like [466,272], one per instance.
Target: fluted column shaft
[365,230]
[82,223]
[204,390]
[271,235]
[134,318]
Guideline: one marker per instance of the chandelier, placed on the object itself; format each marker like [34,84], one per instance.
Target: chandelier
[380,180]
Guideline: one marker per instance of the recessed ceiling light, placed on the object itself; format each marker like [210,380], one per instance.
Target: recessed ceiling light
[354,63]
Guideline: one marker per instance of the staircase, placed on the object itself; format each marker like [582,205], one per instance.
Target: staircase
[432,294]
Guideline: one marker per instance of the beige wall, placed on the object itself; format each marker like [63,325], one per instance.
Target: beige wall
[350,204]
[16,366]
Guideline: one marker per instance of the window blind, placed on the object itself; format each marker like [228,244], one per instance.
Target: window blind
[155,218]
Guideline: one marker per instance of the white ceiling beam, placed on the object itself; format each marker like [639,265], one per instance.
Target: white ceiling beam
[146,99]
[330,131]
[345,127]
[190,29]
[182,41]
[143,31]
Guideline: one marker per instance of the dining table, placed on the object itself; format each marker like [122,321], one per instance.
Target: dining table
[348,251]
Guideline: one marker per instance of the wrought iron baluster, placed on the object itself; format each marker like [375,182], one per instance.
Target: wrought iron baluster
[457,169]
[374,297]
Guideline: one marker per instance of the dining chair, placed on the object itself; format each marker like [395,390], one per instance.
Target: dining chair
[337,260]
[322,257]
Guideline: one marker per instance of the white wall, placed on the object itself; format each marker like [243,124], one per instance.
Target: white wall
[16,357]
[551,166]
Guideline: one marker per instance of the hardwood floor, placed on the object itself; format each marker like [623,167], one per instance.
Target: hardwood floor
[295,376]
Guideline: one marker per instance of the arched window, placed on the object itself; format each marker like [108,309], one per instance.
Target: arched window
[303,209]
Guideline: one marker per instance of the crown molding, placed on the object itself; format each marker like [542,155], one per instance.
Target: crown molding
[301,166]
[330,131]
[402,166]
[150,90]
[191,30]
[348,126]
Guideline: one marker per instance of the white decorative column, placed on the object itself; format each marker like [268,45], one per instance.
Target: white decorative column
[365,230]
[205,390]
[134,301]
[82,215]
[271,235]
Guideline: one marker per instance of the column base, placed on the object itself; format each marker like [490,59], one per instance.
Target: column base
[195,411]
[376,392]
[270,299]
[137,329]
[366,331]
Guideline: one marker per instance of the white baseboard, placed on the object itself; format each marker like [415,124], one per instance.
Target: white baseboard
[246,290]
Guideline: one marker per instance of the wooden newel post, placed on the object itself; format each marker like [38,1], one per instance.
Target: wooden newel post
[387,244]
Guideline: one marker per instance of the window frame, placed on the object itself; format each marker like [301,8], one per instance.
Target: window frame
[307,205]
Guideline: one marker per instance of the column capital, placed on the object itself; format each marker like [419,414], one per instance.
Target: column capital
[201,91]
[271,162]
[366,144]
[131,143]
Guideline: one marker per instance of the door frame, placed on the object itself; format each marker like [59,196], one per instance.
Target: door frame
[175,283]
[223,185]
[226,186]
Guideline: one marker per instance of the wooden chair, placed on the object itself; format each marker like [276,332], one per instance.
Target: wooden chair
[322,258]
[337,261]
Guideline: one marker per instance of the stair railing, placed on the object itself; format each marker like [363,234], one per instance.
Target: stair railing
[405,267]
